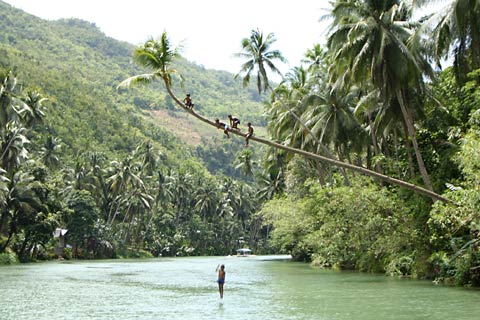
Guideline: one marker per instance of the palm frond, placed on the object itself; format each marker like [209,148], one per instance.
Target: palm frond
[141,79]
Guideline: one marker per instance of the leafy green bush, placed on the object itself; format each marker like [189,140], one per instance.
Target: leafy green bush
[361,227]
[8,258]
[401,266]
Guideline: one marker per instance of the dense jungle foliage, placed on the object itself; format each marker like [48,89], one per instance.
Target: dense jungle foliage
[92,161]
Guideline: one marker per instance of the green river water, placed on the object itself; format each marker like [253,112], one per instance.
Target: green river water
[185,288]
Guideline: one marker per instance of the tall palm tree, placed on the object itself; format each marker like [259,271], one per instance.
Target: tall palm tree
[316,60]
[33,110]
[206,201]
[49,152]
[245,162]
[313,57]
[135,204]
[366,108]
[158,56]
[12,146]
[331,119]
[20,201]
[148,156]
[369,39]
[126,176]
[10,98]
[256,51]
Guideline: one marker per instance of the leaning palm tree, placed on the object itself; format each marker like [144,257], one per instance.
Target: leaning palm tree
[159,56]
[256,51]
[369,40]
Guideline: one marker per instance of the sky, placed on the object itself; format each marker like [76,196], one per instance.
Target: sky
[210,31]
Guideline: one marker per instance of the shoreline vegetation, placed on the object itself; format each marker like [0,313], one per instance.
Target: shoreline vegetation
[365,158]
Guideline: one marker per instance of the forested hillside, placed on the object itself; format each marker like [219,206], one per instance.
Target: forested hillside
[78,68]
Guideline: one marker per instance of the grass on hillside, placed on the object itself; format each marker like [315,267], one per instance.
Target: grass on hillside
[188,129]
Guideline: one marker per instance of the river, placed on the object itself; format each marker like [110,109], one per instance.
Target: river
[185,288]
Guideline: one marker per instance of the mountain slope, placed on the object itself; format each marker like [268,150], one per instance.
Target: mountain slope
[78,68]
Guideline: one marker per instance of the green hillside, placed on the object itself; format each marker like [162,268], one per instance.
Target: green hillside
[78,68]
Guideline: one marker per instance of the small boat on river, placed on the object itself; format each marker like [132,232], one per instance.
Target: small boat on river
[244,252]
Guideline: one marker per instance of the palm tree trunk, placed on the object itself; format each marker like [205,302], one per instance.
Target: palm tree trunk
[475,42]
[411,131]
[340,157]
[395,145]
[310,155]
[3,216]
[10,234]
[321,174]
[369,158]
[408,147]
[373,136]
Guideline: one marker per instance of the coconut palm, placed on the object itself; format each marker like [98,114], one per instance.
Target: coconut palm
[158,56]
[245,162]
[126,176]
[458,26]
[331,119]
[373,40]
[316,60]
[148,156]
[135,204]
[256,51]
[206,201]
[49,152]
[33,109]
[13,141]
[314,57]
[20,202]
[10,98]
[163,188]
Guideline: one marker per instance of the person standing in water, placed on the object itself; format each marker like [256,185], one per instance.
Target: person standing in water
[221,279]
